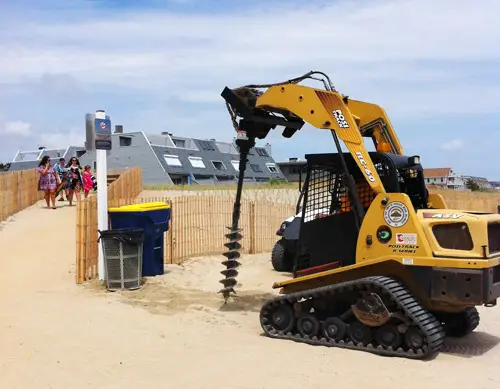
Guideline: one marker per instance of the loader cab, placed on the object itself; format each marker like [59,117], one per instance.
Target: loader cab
[330,238]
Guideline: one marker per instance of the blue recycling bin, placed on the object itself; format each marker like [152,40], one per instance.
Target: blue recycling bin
[154,219]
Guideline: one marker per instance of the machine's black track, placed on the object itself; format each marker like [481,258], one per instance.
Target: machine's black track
[392,292]
[460,324]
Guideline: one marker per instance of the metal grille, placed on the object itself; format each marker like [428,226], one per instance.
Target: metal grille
[324,193]
[494,237]
[123,263]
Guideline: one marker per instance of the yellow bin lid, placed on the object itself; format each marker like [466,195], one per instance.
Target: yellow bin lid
[144,207]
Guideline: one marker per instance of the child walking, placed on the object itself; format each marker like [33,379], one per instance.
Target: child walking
[88,183]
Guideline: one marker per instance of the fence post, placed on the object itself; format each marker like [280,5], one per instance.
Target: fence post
[252,227]
[171,232]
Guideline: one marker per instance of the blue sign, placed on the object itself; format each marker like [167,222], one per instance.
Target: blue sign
[103,134]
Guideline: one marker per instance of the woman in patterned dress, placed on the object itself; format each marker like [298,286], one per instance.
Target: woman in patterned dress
[75,179]
[49,180]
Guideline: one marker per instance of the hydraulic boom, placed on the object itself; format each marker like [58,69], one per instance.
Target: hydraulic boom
[290,105]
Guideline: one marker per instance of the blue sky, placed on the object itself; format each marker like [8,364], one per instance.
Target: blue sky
[160,65]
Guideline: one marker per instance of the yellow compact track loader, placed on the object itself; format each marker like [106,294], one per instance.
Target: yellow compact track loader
[388,269]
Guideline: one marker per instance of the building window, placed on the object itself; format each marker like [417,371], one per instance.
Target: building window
[206,145]
[197,162]
[262,152]
[218,165]
[172,160]
[272,167]
[256,168]
[236,165]
[179,143]
[125,141]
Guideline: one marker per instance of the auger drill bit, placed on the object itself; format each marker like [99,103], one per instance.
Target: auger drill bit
[233,254]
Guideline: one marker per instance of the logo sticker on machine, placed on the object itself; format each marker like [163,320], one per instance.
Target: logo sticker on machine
[429,215]
[339,117]
[363,163]
[406,239]
[396,214]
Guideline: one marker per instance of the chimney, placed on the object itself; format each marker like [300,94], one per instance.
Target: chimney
[118,129]
[268,149]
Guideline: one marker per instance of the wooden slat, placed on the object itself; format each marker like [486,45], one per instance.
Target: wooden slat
[18,190]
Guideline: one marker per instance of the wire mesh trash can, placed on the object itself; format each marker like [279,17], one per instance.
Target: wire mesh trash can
[122,252]
[153,218]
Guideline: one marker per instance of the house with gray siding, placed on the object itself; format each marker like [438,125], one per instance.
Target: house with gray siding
[294,169]
[168,159]
[174,160]
[30,159]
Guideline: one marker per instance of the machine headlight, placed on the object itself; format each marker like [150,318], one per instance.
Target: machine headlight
[415,160]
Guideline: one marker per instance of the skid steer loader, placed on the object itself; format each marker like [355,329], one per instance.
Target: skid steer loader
[389,270]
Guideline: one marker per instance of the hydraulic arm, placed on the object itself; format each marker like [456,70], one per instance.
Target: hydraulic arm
[290,105]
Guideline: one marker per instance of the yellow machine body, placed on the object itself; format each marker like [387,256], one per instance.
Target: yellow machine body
[414,245]
[350,120]
[435,263]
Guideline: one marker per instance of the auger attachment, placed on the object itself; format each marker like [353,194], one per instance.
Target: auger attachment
[234,236]
[231,263]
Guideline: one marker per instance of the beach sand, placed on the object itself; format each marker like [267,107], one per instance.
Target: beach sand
[175,331]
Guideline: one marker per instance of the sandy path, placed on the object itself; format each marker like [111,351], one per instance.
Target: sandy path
[172,333]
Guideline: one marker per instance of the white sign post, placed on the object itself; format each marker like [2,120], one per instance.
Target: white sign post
[102,203]
[102,144]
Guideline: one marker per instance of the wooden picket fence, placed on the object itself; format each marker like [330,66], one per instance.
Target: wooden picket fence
[469,201]
[123,190]
[18,190]
[197,228]
[198,225]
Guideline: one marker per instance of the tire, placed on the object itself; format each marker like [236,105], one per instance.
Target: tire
[279,257]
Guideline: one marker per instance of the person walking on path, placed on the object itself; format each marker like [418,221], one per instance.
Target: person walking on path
[62,172]
[75,179]
[48,182]
[88,184]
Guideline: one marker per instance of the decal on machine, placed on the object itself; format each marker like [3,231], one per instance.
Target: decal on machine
[406,239]
[339,117]
[363,163]
[428,215]
[396,214]
[404,248]
[407,261]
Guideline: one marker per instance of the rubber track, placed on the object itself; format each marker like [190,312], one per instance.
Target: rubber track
[429,325]
[471,321]
[472,318]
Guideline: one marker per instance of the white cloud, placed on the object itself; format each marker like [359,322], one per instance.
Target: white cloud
[453,145]
[16,128]
[62,139]
[418,60]
[175,53]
